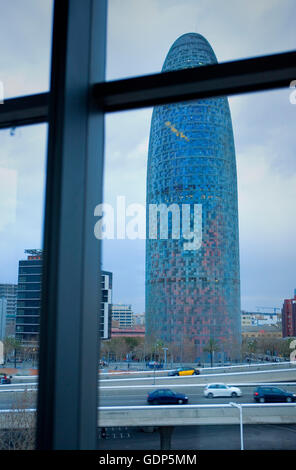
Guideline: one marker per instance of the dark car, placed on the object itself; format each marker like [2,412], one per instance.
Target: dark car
[166,397]
[4,379]
[154,365]
[273,394]
[184,371]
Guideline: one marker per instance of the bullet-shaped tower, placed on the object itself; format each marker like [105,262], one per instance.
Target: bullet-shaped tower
[193,290]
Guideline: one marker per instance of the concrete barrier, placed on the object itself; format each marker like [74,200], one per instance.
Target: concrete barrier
[189,415]
[279,375]
[172,415]
[18,372]
[113,373]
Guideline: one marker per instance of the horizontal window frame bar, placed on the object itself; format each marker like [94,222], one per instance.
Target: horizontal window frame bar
[224,79]
[25,110]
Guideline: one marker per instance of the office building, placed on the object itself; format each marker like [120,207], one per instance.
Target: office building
[9,291]
[105,320]
[193,288]
[289,317]
[3,313]
[28,298]
[122,315]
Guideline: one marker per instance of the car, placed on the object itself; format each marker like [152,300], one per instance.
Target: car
[221,390]
[166,396]
[184,371]
[154,365]
[4,379]
[273,394]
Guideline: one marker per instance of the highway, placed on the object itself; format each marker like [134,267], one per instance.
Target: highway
[20,395]
[134,396]
[131,389]
[126,388]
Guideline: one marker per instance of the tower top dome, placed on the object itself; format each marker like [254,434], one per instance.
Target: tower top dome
[189,50]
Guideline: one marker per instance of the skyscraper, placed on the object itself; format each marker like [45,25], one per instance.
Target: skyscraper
[3,313]
[193,292]
[29,298]
[105,320]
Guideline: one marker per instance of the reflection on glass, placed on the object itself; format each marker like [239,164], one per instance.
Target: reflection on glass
[22,180]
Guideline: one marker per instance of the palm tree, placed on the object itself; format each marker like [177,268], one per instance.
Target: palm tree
[211,347]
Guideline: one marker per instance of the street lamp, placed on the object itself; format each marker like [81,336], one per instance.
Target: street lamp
[239,406]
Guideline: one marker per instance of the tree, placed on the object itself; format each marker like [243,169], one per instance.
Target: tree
[211,347]
[11,344]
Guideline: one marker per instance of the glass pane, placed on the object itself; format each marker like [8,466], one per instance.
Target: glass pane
[198,302]
[140,34]
[22,184]
[25,46]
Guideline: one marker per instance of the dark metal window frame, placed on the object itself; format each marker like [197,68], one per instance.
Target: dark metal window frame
[74,109]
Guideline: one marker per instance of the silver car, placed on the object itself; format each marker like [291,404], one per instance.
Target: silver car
[221,390]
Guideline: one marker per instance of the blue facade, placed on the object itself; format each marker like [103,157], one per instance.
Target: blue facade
[193,296]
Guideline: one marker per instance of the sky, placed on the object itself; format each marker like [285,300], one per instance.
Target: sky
[139,36]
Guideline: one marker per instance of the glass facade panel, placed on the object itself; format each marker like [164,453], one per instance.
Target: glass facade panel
[193,282]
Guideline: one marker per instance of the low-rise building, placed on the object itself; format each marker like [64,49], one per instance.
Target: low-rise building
[259,331]
[260,318]
[136,331]
[139,319]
